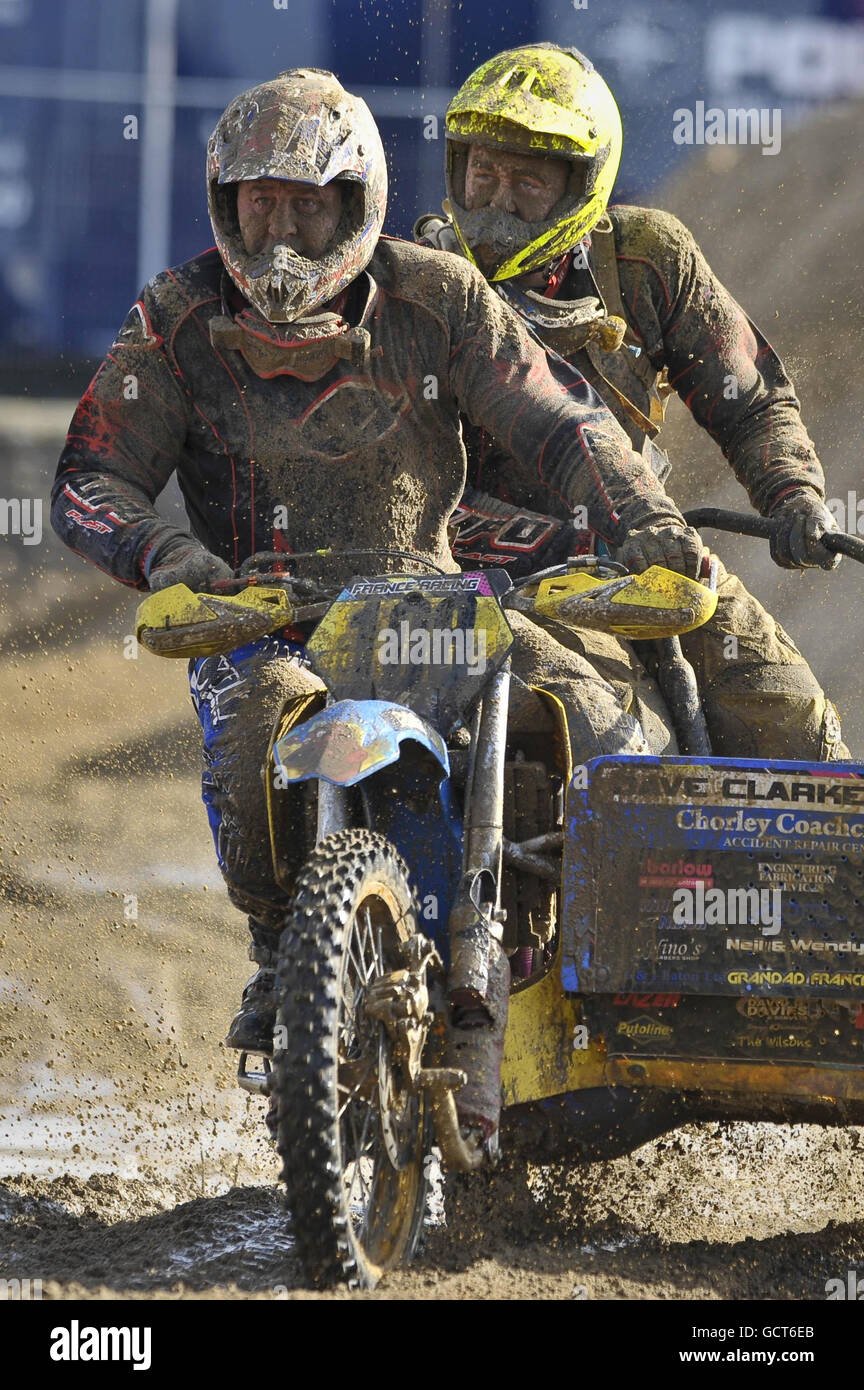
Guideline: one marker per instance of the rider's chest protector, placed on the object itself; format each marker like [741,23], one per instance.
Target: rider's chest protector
[365,454]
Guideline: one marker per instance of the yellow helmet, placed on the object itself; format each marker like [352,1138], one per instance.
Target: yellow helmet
[544,100]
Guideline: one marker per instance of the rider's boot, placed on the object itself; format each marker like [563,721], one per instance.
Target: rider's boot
[252,1027]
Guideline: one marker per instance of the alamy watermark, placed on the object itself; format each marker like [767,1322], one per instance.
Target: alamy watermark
[701,906]
[77,1343]
[22,516]
[848,512]
[20,1290]
[437,646]
[736,126]
[851,1288]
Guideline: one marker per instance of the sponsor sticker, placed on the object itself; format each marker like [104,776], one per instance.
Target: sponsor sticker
[637,1029]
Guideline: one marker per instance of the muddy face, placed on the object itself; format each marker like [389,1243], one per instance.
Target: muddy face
[528,185]
[274,212]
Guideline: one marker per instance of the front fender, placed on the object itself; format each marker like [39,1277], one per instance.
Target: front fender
[348,741]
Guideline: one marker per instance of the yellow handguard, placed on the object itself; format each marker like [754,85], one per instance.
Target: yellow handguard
[658,603]
[180,623]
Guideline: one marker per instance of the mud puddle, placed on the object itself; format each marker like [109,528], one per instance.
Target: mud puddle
[711,1212]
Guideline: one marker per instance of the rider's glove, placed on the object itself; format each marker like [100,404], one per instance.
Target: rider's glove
[182,560]
[671,544]
[802,520]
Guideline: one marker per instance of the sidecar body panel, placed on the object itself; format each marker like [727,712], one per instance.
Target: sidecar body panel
[715,877]
[765,1010]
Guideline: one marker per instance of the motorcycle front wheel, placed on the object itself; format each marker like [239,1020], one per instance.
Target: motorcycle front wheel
[351,1134]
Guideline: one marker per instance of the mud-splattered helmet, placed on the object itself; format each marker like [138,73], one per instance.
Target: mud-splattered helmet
[301,126]
[539,100]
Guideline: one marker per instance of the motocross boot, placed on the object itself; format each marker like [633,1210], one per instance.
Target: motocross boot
[251,1029]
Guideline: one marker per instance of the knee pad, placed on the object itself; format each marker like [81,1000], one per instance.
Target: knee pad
[772,711]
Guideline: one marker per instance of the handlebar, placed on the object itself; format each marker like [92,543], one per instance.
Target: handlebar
[716,518]
[251,573]
[746,524]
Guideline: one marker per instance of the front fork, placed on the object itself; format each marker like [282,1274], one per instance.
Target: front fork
[476,918]
[478,985]
[332,809]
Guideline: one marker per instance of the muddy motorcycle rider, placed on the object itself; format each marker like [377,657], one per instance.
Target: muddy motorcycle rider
[533,143]
[281,375]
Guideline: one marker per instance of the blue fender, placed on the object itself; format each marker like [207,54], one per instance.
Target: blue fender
[348,741]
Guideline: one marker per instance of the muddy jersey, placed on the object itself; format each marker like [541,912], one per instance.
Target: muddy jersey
[363,457]
[726,373]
